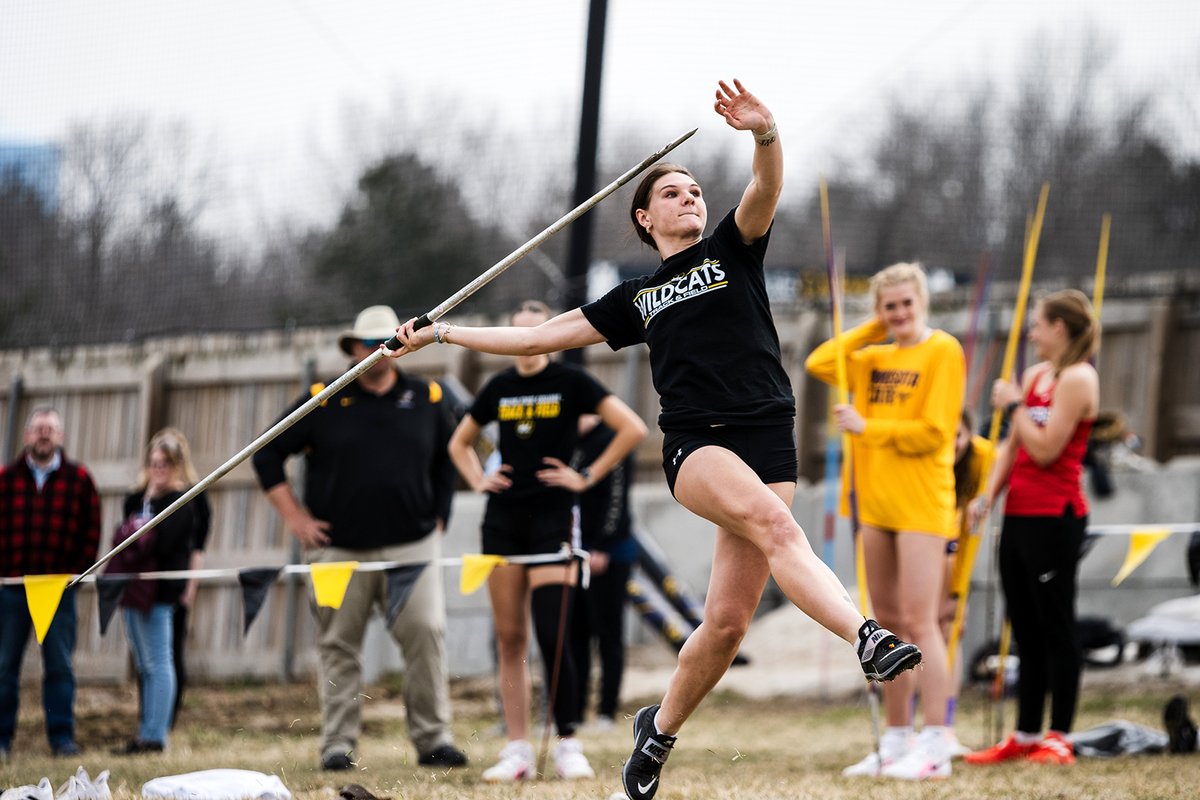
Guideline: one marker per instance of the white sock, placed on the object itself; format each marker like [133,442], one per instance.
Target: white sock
[933,740]
[894,741]
[1027,738]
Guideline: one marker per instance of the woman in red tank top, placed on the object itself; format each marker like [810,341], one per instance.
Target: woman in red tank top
[1045,520]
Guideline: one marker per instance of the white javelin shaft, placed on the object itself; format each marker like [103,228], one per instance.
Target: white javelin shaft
[393,344]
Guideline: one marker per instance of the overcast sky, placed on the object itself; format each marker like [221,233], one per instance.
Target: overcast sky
[270,79]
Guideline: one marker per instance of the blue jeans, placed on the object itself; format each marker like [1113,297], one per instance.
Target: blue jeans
[149,637]
[58,674]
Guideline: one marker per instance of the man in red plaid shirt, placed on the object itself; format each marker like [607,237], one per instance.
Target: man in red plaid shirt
[49,524]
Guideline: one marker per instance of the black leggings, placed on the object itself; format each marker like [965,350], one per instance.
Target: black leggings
[599,614]
[546,605]
[1039,561]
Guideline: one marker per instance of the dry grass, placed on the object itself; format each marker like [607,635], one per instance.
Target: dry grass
[733,748]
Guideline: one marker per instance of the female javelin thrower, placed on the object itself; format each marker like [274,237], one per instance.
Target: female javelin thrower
[903,420]
[729,450]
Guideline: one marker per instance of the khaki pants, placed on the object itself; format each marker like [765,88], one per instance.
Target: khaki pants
[419,630]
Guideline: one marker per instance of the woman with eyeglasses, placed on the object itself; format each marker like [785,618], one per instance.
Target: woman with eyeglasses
[148,606]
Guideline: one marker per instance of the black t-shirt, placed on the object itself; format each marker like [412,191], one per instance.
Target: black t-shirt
[538,417]
[714,351]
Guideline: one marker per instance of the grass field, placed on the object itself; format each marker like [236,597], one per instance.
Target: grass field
[733,748]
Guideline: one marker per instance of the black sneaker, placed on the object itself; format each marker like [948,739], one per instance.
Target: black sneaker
[884,655]
[67,749]
[1181,730]
[446,755]
[333,762]
[650,751]
[133,747]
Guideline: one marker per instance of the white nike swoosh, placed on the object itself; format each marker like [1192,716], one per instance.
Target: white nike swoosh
[643,789]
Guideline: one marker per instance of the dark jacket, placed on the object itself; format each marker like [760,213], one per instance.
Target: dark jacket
[377,465]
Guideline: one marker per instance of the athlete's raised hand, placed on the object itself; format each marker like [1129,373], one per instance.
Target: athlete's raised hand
[741,109]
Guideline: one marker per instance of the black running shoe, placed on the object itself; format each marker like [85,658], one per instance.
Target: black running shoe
[884,655]
[1181,730]
[650,751]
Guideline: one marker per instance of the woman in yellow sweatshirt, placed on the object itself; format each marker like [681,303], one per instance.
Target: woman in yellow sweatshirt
[903,417]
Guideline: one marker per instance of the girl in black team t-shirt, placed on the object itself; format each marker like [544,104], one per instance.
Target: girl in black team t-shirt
[530,510]
[727,418]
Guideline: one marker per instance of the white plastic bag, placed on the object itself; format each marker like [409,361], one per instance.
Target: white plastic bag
[217,784]
[81,787]
[43,791]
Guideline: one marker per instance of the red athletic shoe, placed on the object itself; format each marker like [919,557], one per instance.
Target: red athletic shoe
[1053,749]
[1008,750]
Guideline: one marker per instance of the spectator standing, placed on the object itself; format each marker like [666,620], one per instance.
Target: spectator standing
[531,511]
[902,421]
[378,487]
[183,607]
[49,524]
[148,606]
[606,533]
[1045,521]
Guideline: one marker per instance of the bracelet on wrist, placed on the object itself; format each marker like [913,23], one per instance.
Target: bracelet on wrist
[768,137]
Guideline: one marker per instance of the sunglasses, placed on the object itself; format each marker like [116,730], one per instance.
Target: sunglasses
[372,343]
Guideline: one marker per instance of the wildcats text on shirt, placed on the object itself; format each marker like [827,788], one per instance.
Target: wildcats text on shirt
[693,283]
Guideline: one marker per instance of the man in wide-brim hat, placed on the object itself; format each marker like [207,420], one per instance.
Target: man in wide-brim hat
[378,488]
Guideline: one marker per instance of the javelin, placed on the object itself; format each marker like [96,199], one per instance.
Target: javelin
[967,555]
[392,344]
[843,395]
[1101,266]
[843,384]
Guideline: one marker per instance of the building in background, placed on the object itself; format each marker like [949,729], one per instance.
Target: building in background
[34,165]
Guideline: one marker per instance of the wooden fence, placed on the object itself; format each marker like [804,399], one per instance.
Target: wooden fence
[224,390]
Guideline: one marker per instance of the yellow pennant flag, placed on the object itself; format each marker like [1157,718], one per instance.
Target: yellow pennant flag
[330,581]
[42,593]
[475,570]
[1141,544]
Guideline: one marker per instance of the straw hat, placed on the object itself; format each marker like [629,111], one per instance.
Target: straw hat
[375,322]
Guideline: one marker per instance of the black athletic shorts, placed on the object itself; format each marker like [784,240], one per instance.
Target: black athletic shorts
[769,450]
[528,529]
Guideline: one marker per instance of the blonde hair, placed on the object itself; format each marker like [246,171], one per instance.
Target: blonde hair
[896,274]
[1083,329]
[174,445]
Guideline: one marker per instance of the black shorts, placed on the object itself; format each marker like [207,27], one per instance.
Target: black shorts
[528,529]
[769,450]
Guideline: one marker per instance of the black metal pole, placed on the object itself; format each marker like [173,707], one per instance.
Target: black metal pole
[579,246]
